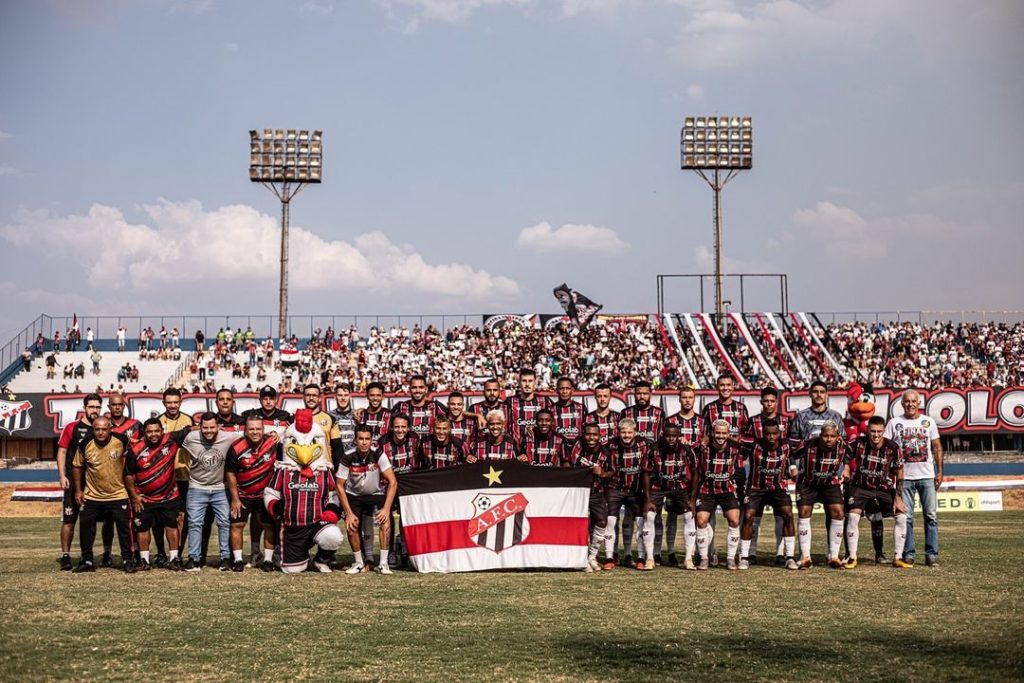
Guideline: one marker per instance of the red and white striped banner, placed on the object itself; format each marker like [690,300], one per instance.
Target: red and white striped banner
[495,515]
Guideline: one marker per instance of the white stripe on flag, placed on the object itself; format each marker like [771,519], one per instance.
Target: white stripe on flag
[477,559]
[447,506]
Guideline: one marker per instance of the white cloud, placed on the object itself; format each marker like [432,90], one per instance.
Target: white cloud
[570,238]
[7,169]
[190,6]
[572,8]
[230,47]
[180,243]
[695,92]
[4,135]
[321,7]
[442,10]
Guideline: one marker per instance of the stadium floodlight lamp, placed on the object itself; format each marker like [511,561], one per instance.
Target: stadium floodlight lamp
[285,161]
[717,148]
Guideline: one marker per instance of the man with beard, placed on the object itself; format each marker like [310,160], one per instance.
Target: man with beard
[464,426]
[495,443]
[808,422]
[204,453]
[375,415]
[568,414]
[589,452]
[131,429]
[714,485]
[492,401]
[441,449]
[400,446]
[311,399]
[753,432]
[603,416]
[687,419]
[173,420]
[72,436]
[152,489]
[274,419]
[544,446]
[522,407]
[669,478]
[822,469]
[344,417]
[769,473]
[420,411]
[648,418]
[247,471]
[362,473]
[629,456]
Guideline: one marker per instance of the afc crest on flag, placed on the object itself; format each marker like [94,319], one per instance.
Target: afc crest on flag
[499,524]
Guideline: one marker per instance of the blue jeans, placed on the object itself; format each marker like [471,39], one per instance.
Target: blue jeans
[198,501]
[925,488]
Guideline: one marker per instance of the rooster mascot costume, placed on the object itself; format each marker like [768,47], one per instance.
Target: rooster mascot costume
[302,497]
[860,407]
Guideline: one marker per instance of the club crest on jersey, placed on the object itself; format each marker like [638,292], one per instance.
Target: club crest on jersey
[15,417]
[499,522]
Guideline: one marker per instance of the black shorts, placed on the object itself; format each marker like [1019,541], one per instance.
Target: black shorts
[365,505]
[710,501]
[778,498]
[296,542]
[871,500]
[616,498]
[159,514]
[826,494]
[69,507]
[598,508]
[675,501]
[182,495]
[252,507]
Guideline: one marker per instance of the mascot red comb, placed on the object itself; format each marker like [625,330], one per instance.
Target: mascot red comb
[303,498]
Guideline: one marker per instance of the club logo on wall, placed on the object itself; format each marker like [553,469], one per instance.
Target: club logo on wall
[15,417]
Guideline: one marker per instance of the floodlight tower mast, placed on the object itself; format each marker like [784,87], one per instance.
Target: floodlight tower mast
[284,162]
[709,146]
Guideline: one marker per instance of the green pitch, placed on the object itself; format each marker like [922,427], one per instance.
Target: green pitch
[961,621]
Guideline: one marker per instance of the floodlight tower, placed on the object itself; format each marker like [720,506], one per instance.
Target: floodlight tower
[284,162]
[711,145]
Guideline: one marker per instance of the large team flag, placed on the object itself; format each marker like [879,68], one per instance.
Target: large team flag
[495,515]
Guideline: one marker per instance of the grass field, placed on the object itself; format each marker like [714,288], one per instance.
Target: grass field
[960,621]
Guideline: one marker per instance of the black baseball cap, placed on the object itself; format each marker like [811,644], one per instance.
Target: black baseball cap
[268,392]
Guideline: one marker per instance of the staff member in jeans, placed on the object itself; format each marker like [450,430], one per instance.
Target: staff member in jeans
[204,453]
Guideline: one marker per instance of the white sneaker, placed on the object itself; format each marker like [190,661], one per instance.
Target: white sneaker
[593,565]
[730,563]
[688,564]
[791,563]
[322,567]
[744,563]
[356,569]
[383,568]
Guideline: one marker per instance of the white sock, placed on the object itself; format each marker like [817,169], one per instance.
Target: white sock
[268,554]
[732,541]
[609,537]
[383,556]
[596,538]
[780,527]
[788,543]
[144,555]
[702,542]
[689,534]
[172,555]
[899,536]
[647,534]
[835,537]
[852,533]
[670,532]
[745,548]
[236,555]
[804,531]
[628,524]
[754,536]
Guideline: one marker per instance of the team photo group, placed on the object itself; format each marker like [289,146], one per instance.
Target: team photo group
[306,482]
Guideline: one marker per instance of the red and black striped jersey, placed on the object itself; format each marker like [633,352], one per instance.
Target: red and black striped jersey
[485,449]
[820,466]
[276,420]
[421,418]
[130,428]
[735,413]
[484,407]
[875,468]
[569,419]
[74,435]
[648,420]
[671,468]
[716,469]
[437,456]
[253,464]
[153,469]
[302,500]
[609,424]
[521,414]
[769,468]
[690,428]
[629,461]
[754,429]
[581,456]
[466,428]
[546,451]
[228,423]
[378,422]
[402,455]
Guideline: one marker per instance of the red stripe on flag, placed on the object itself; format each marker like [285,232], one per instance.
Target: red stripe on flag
[436,537]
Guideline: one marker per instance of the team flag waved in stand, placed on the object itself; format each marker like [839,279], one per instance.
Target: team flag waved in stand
[579,308]
[495,515]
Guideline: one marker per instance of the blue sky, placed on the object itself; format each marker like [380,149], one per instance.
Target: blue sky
[480,152]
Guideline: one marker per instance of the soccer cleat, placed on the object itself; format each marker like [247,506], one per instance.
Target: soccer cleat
[175,565]
[65,563]
[130,567]
[322,567]
[356,569]
[791,563]
[609,565]
[902,564]
[730,563]
[143,565]
[161,562]
[658,560]
[593,564]
[851,563]
[805,563]
[752,560]
[688,564]
[882,559]
[744,563]
[588,569]
[384,568]
[238,566]
[192,566]
[83,567]
[106,561]
[646,566]
[780,561]
[629,562]
[835,563]
[703,564]
[225,565]
[714,558]
[267,566]
[931,561]
[673,561]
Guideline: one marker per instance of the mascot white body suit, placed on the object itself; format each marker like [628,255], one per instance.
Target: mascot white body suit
[302,497]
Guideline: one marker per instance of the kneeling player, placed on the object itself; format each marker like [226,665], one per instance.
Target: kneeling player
[714,485]
[769,467]
[822,470]
[876,483]
[301,495]
[359,475]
